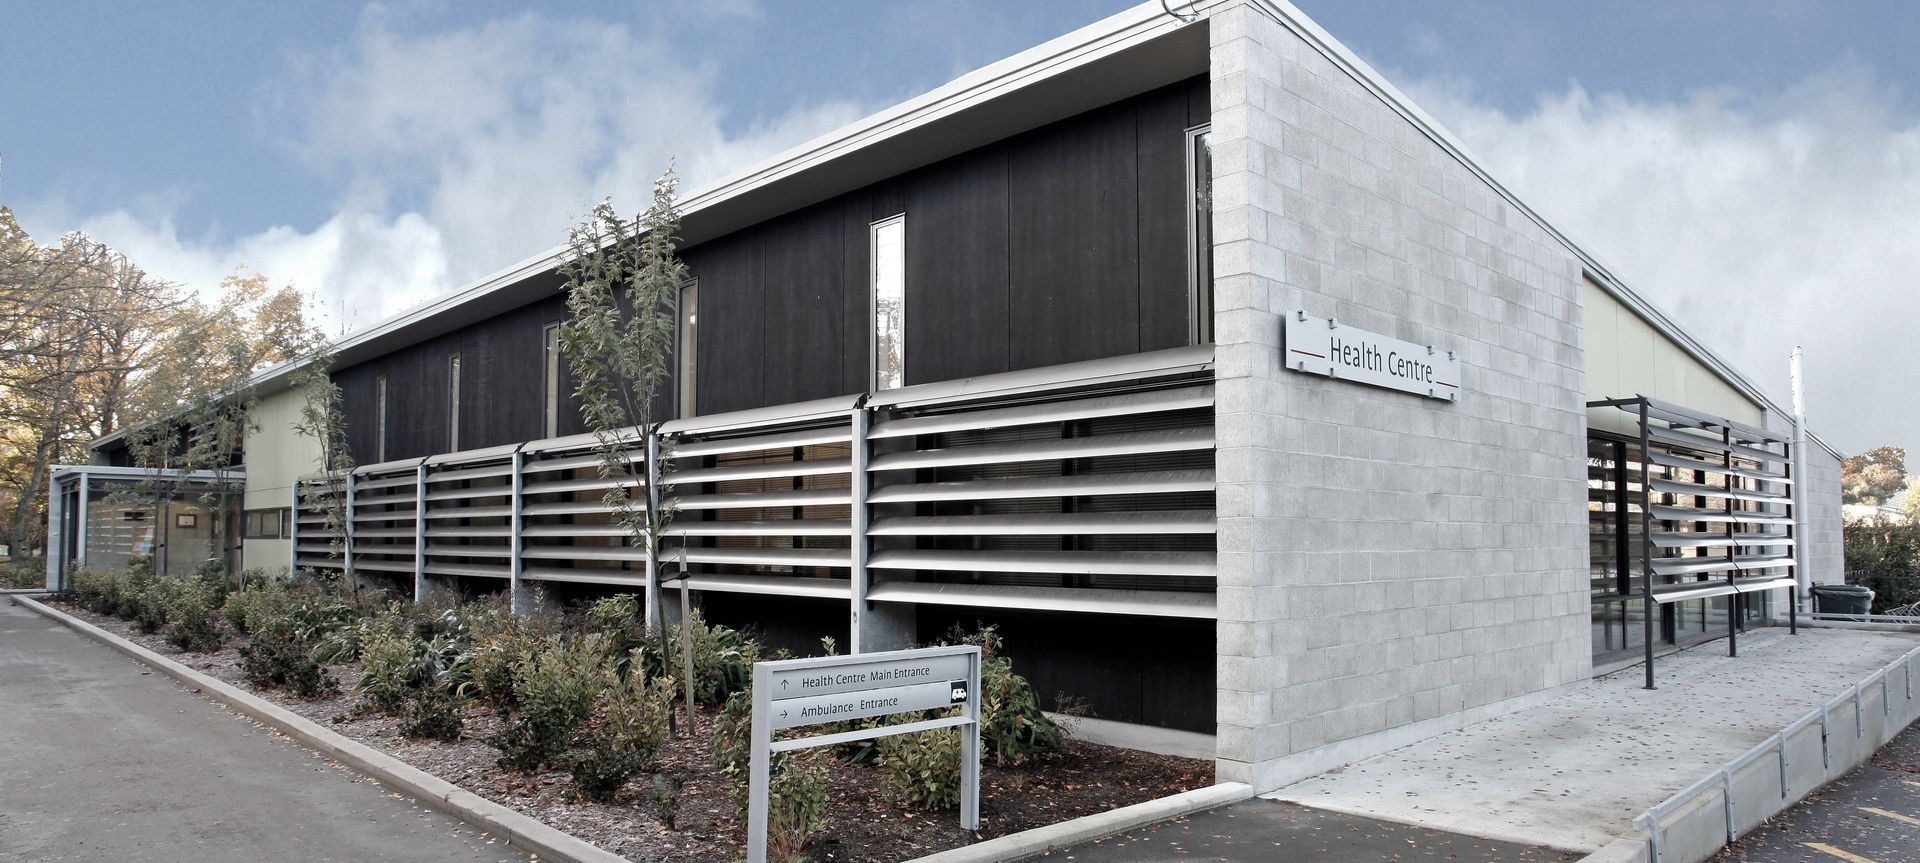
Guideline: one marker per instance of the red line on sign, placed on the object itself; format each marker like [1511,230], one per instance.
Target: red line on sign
[1315,356]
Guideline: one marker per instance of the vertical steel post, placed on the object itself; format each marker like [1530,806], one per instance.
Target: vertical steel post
[1733,549]
[56,536]
[516,562]
[80,532]
[760,767]
[1797,491]
[346,531]
[655,615]
[1646,538]
[420,531]
[970,748]
[293,531]
[857,526]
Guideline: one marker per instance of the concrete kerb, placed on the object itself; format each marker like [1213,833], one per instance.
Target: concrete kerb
[520,831]
[1039,840]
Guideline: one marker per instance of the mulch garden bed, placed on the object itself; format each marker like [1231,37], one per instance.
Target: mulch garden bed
[864,824]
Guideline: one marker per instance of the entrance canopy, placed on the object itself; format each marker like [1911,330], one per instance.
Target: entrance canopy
[108,517]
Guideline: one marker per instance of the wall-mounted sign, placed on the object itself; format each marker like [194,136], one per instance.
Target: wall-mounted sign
[1321,346]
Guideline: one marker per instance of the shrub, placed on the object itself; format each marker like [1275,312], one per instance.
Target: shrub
[1012,726]
[191,622]
[600,772]
[490,667]
[96,591]
[796,802]
[271,660]
[391,672]
[634,719]
[433,714]
[556,685]
[923,769]
[723,660]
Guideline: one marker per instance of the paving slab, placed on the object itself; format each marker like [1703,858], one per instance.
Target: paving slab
[102,759]
[1268,830]
[1573,773]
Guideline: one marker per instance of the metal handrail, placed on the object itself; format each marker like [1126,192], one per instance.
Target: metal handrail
[1722,777]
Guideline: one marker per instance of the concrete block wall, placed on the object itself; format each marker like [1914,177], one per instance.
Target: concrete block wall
[1390,566]
[1826,558]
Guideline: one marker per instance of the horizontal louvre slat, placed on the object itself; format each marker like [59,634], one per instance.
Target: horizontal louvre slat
[1135,443]
[567,507]
[765,470]
[773,585]
[498,531]
[787,440]
[472,569]
[1762,562]
[382,565]
[777,527]
[1672,460]
[361,487]
[1128,404]
[1687,488]
[1676,513]
[382,533]
[761,556]
[1149,603]
[1180,563]
[320,562]
[1046,524]
[470,512]
[565,486]
[758,499]
[576,462]
[1719,540]
[1144,482]
[583,552]
[468,551]
[1692,590]
[584,576]
[469,493]
[385,517]
[569,530]
[1691,565]
[1768,582]
[1681,439]
[467,473]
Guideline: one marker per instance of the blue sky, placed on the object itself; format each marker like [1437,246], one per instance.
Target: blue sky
[1768,152]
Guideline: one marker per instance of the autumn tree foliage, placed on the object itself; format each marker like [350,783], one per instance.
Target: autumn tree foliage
[1875,476]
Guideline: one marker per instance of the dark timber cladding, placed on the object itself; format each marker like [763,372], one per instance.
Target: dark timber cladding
[1064,243]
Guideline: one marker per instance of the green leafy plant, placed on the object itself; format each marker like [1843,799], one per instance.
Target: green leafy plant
[272,659]
[390,672]
[433,714]
[556,686]
[923,768]
[192,623]
[796,802]
[1012,726]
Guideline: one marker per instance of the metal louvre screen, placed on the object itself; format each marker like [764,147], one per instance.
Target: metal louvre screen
[762,512]
[1089,501]
[468,510]
[315,544]
[385,521]
[567,531]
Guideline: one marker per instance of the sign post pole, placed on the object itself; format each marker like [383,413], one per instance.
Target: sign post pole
[792,693]
[760,771]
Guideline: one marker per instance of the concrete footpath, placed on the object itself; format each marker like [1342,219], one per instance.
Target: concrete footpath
[102,759]
[1574,772]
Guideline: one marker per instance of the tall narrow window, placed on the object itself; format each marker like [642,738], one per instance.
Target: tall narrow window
[380,418]
[689,347]
[550,381]
[1200,233]
[453,403]
[889,273]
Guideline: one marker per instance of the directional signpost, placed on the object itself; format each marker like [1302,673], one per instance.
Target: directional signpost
[797,692]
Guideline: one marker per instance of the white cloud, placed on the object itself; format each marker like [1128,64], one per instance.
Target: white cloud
[1758,222]
[463,151]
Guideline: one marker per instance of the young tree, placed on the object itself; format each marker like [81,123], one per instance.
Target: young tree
[623,281]
[322,419]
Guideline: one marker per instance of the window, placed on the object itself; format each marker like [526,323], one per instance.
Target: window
[1200,233]
[688,350]
[267,523]
[550,377]
[380,418]
[453,403]
[889,274]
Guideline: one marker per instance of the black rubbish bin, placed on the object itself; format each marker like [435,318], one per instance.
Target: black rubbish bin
[1842,599]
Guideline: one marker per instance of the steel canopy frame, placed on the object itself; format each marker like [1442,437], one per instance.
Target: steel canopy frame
[1731,440]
